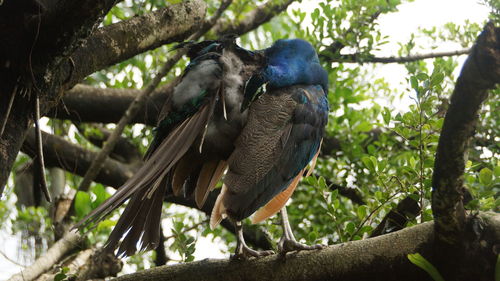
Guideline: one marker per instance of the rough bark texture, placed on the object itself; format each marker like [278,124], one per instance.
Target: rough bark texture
[481,71]
[37,39]
[380,258]
[44,53]
[120,41]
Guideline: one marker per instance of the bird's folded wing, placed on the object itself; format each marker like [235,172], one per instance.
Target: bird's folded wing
[281,137]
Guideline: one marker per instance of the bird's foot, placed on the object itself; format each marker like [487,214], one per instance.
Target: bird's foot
[243,252]
[286,245]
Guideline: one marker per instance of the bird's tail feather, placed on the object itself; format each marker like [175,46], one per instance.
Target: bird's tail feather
[278,202]
[151,175]
[219,210]
[209,175]
[139,222]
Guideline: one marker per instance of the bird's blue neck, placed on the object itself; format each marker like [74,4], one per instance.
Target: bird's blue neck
[285,68]
[294,73]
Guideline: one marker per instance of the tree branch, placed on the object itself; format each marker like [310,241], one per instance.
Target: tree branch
[481,71]
[252,19]
[75,159]
[124,151]
[36,40]
[380,258]
[120,41]
[360,58]
[86,103]
[51,257]
[347,192]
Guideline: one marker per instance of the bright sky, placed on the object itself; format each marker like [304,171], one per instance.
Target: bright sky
[398,26]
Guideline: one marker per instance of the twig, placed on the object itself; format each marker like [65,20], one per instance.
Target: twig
[252,19]
[371,214]
[9,107]
[39,151]
[358,58]
[187,229]
[11,260]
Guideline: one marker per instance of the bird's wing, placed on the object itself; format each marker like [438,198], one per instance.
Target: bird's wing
[282,135]
[192,104]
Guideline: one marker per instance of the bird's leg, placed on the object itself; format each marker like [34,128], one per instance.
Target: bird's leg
[242,250]
[288,243]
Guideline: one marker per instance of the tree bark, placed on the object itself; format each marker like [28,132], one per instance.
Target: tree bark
[380,258]
[117,42]
[44,54]
[481,71]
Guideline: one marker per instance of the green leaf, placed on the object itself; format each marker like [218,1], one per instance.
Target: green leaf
[105,224]
[313,235]
[485,176]
[497,171]
[414,82]
[424,264]
[362,211]
[437,79]
[350,227]
[422,76]
[59,277]
[369,164]
[82,204]
[386,114]
[101,195]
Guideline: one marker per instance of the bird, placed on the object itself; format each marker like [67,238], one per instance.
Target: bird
[193,139]
[283,134]
[253,118]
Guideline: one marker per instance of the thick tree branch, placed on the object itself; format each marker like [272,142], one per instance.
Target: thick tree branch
[359,58]
[86,103]
[252,19]
[120,41]
[75,159]
[36,40]
[380,258]
[481,71]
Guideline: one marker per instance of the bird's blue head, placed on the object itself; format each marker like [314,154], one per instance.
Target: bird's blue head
[289,62]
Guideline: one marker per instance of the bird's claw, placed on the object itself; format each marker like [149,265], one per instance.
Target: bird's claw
[286,245]
[244,252]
